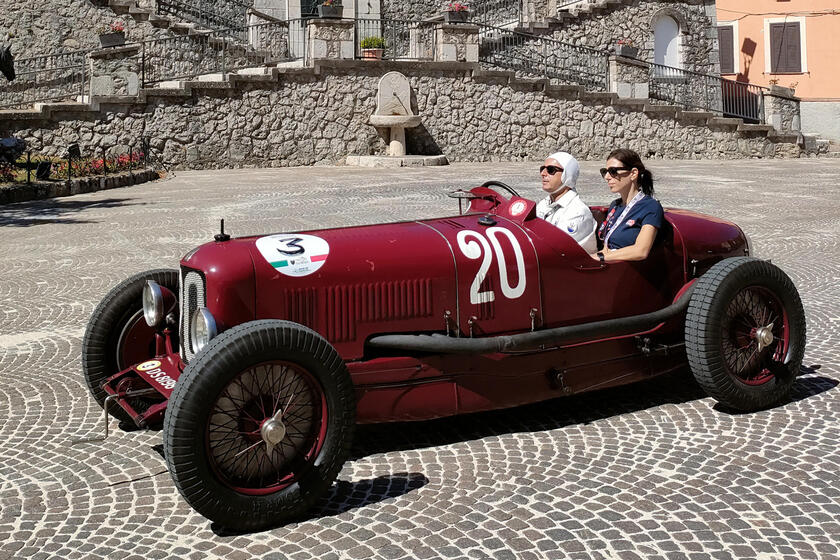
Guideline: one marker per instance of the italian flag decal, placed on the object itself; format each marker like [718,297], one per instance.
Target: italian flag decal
[294,254]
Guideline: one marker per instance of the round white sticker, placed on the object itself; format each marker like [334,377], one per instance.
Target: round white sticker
[146,366]
[517,208]
[294,254]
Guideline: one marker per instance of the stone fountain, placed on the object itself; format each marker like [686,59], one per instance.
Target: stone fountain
[392,116]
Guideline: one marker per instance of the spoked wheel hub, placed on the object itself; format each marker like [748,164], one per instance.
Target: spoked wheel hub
[266,428]
[755,336]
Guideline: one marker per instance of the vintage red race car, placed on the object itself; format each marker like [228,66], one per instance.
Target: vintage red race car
[264,352]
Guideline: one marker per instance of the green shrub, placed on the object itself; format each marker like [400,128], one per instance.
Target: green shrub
[372,42]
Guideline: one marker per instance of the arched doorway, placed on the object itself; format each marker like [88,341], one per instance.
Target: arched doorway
[666,50]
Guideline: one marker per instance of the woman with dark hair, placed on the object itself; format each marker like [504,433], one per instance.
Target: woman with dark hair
[633,220]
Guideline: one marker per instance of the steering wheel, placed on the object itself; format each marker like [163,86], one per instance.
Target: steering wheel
[502,186]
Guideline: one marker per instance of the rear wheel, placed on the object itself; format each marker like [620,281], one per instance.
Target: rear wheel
[745,333]
[117,335]
[259,424]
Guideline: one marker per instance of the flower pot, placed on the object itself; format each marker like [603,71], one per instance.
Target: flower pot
[372,54]
[112,39]
[456,17]
[627,50]
[333,11]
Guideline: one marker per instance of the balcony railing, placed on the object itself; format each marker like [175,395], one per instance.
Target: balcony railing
[403,39]
[52,77]
[693,90]
[544,57]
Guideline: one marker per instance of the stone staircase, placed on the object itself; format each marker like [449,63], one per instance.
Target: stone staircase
[269,75]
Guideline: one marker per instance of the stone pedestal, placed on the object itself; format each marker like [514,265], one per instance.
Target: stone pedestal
[115,71]
[456,42]
[781,109]
[629,78]
[330,38]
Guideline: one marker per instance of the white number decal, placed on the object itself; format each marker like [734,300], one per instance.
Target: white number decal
[510,293]
[473,250]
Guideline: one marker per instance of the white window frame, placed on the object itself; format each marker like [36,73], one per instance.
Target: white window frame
[736,52]
[803,40]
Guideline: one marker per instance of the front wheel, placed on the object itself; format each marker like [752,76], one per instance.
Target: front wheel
[117,336]
[745,333]
[259,424]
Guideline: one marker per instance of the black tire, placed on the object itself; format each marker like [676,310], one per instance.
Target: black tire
[213,429]
[102,339]
[729,307]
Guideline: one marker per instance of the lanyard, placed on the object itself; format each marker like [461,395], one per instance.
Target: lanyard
[614,226]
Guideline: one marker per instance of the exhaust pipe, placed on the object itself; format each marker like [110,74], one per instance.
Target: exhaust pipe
[442,344]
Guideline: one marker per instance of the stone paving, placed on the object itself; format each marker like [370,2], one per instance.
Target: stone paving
[654,471]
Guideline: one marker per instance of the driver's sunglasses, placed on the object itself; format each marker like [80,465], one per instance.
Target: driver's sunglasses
[613,170]
[552,169]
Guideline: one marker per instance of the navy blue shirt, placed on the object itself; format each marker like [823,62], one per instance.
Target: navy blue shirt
[647,211]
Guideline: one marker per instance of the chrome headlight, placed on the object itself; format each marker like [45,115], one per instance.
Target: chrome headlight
[152,303]
[202,329]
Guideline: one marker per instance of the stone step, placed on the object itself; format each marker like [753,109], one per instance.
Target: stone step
[182,28]
[139,14]
[698,115]
[121,6]
[725,121]
[160,22]
[656,109]
[747,127]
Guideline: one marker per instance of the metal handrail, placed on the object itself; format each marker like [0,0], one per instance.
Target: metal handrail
[216,51]
[544,57]
[214,14]
[707,92]
[50,77]
[498,12]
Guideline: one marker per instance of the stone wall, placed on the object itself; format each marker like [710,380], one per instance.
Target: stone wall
[696,18]
[411,11]
[321,115]
[47,26]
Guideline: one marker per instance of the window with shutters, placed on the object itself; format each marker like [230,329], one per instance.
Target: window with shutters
[726,45]
[785,47]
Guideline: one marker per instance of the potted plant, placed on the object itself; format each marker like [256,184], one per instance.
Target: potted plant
[330,9]
[624,47]
[112,35]
[372,47]
[456,12]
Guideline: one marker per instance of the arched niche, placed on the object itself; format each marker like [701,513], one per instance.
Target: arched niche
[667,28]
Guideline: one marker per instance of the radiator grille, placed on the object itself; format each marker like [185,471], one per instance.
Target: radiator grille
[192,297]
[374,302]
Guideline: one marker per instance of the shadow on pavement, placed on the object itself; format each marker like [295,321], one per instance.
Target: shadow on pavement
[344,496]
[52,211]
[557,413]
[674,388]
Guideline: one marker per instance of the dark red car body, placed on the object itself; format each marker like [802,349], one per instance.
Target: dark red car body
[434,276]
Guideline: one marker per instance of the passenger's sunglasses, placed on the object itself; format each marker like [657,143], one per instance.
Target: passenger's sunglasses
[552,169]
[613,170]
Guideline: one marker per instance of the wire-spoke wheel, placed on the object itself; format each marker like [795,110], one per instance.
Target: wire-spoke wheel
[266,427]
[745,333]
[259,424]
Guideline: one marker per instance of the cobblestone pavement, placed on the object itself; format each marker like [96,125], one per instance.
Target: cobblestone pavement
[651,471]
